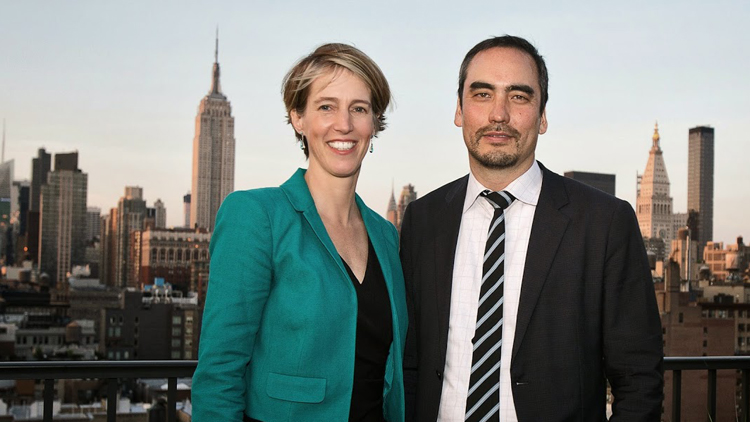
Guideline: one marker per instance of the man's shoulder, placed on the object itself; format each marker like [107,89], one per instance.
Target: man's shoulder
[443,194]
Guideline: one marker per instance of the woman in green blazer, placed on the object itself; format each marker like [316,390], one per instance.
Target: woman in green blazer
[305,316]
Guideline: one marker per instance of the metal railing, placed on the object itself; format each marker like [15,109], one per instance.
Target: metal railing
[710,364]
[49,371]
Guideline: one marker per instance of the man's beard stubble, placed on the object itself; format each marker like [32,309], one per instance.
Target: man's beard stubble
[495,159]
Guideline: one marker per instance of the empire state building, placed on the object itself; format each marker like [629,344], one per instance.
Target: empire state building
[213,154]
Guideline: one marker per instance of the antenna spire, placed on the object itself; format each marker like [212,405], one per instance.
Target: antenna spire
[216,52]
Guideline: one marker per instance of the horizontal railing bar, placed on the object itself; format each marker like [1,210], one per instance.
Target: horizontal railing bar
[706,362]
[97,369]
[185,368]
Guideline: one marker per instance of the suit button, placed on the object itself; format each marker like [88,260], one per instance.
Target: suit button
[439,374]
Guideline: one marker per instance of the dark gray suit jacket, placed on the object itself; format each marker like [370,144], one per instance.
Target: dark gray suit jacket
[587,311]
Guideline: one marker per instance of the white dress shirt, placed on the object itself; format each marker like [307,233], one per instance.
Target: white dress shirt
[467,277]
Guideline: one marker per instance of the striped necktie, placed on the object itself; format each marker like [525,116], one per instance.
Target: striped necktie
[483,401]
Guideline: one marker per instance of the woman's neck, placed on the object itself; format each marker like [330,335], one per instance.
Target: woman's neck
[333,196]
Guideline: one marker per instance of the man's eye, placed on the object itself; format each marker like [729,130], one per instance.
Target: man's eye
[325,107]
[360,110]
[482,94]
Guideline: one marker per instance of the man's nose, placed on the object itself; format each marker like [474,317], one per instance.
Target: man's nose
[499,112]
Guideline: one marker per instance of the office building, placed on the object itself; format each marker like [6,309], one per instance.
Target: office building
[131,214]
[701,180]
[654,203]
[213,154]
[602,181]
[62,238]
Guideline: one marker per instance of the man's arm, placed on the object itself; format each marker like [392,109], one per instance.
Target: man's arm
[410,352]
[633,348]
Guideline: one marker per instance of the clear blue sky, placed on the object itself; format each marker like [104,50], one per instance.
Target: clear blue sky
[121,84]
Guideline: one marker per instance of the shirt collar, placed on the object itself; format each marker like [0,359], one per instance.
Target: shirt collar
[525,188]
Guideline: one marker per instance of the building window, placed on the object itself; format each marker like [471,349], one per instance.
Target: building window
[153,254]
[740,327]
[171,255]
[163,255]
[176,320]
[176,331]
[179,255]
[176,342]
[680,317]
[176,354]
[705,343]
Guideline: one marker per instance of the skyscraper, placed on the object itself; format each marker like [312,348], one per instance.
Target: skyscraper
[161,215]
[186,209]
[93,223]
[62,238]
[40,167]
[701,181]
[131,211]
[392,213]
[653,204]
[213,153]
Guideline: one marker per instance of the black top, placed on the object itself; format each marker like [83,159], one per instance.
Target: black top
[374,337]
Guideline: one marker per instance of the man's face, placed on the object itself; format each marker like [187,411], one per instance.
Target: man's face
[500,116]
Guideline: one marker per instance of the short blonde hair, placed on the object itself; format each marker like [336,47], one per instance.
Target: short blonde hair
[295,88]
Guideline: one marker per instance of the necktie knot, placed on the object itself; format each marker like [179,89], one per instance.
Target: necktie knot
[499,200]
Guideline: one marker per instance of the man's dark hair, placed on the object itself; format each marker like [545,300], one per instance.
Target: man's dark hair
[508,41]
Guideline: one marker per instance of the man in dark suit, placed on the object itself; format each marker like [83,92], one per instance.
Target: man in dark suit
[527,291]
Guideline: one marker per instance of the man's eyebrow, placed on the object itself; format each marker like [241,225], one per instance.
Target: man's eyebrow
[520,87]
[481,85]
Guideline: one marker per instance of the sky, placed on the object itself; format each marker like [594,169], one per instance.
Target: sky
[120,82]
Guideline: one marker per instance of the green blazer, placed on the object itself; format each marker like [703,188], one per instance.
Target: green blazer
[279,326]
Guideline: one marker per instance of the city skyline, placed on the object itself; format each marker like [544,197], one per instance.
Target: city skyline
[121,85]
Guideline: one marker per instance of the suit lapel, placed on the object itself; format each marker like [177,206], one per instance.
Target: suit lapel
[299,196]
[445,240]
[546,233]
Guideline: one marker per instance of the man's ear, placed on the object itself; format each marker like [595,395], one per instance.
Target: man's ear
[458,119]
[543,123]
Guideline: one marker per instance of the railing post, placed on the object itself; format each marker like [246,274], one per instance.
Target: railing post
[712,394]
[172,399]
[49,397]
[676,395]
[111,399]
[745,395]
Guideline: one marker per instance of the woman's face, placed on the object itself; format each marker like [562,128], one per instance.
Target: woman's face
[337,122]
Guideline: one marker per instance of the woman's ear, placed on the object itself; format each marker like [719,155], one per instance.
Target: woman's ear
[297,122]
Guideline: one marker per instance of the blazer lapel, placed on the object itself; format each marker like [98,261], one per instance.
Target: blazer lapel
[546,233]
[445,240]
[299,196]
